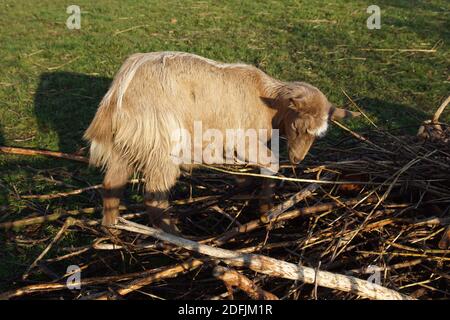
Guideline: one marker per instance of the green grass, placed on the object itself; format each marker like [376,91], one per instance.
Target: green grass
[53,78]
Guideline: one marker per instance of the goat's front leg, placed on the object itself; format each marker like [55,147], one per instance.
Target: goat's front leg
[269,164]
[266,195]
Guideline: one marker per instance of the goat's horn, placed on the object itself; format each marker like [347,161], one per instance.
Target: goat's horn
[339,113]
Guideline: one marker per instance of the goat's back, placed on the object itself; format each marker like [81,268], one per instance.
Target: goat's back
[154,94]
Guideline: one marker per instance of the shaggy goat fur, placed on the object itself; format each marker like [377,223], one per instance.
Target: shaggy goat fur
[154,94]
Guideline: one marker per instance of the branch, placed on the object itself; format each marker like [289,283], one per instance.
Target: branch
[272,267]
[32,152]
[61,194]
[438,112]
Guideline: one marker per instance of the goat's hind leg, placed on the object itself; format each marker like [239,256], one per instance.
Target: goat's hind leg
[157,205]
[156,199]
[114,183]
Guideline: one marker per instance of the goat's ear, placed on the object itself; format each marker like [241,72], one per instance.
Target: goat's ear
[339,113]
[294,99]
[297,103]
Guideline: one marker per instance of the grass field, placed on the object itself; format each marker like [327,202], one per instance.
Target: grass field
[53,78]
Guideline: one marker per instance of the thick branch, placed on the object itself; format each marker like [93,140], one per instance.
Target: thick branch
[272,267]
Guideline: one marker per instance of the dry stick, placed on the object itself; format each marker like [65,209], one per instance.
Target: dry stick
[401,265]
[359,109]
[257,223]
[70,193]
[33,152]
[405,254]
[167,272]
[441,109]
[408,248]
[400,50]
[272,267]
[129,29]
[266,176]
[57,237]
[51,217]
[219,296]
[318,21]
[299,196]
[41,219]
[32,289]
[232,278]
[435,121]
[62,65]
[69,255]
[61,194]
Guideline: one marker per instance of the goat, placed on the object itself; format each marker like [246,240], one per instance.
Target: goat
[155,94]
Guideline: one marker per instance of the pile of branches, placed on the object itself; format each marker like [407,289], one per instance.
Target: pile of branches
[375,225]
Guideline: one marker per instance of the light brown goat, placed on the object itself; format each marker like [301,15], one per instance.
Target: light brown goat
[155,94]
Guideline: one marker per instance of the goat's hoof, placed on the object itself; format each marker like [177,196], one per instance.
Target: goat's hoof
[169,225]
[111,231]
[172,229]
[108,226]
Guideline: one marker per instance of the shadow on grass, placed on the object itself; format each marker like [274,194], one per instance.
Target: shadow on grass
[3,192]
[65,103]
[393,115]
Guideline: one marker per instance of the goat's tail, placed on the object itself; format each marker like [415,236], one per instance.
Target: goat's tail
[103,127]
[137,133]
[100,132]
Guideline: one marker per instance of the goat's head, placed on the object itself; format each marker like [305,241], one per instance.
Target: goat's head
[306,117]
